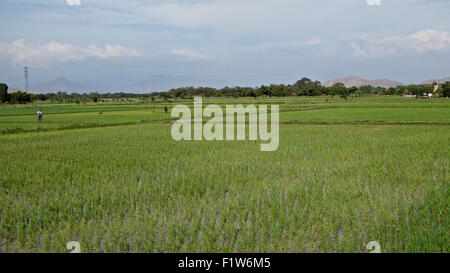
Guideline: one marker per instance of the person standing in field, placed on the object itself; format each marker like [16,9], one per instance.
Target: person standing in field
[166,109]
[39,113]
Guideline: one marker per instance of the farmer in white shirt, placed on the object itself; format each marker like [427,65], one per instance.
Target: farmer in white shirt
[39,113]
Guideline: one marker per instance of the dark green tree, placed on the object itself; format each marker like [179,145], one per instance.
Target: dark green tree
[19,97]
[307,87]
[420,90]
[445,89]
[94,97]
[339,89]
[390,91]
[365,90]
[3,92]
[400,90]
[353,90]
[414,90]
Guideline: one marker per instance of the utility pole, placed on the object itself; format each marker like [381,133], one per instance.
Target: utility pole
[26,78]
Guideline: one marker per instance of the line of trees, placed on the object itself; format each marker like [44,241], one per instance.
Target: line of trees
[303,87]
[307,87]
[18,97]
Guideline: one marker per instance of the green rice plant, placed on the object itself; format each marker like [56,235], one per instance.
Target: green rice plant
[329,187]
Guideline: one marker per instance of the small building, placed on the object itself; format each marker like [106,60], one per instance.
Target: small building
[436,87]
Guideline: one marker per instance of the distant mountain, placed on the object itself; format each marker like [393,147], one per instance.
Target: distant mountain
[156,83]
[440,81]
[356,81]
[61,84]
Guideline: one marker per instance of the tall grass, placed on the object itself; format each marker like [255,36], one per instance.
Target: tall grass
[329,188]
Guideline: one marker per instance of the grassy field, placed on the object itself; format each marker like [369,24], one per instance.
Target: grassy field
[110,176]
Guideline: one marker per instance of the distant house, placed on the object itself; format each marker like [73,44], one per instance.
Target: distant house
[436,87]
[424,95]
[435,91]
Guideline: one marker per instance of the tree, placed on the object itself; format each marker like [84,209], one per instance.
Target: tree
[446,89]
[41,97]
[20,97]
[390,91]
[266,91]
[414,90]
[339,89]
[400,90]
[353,90]
[94,97]
[365,90]
[306,87]
[343,92]
[3,92]
[420,90]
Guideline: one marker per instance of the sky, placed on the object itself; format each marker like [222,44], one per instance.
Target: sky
[224,42]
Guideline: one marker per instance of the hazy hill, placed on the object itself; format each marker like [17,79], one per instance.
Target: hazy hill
[60,84]
[440,81]
[150,84]
[356,81]
[159,83]
[164,82]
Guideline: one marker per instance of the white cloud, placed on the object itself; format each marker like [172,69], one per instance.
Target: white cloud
[374,2]
[110,51]
[420,41]
[20,52]
[188,54]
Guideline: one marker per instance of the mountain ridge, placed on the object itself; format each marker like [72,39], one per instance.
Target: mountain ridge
[358,82]
[438,81]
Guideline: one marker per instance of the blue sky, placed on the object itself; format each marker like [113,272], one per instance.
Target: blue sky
[229,42]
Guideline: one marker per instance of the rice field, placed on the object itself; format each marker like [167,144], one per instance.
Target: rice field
[111,177]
